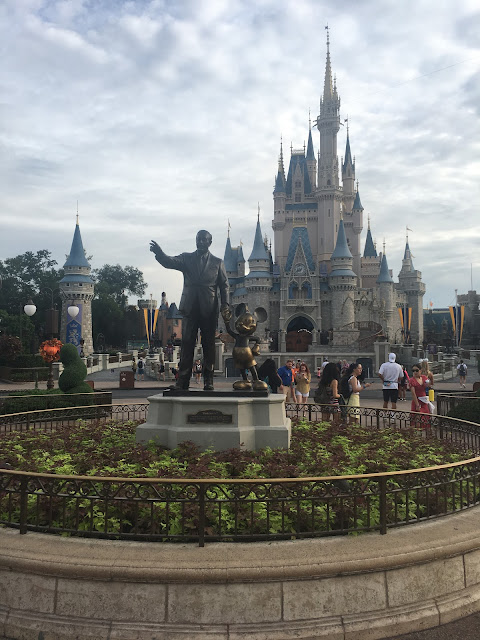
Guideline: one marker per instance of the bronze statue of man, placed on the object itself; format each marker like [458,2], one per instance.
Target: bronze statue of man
[203,276]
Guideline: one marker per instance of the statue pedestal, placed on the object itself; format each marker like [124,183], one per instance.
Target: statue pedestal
[217,420]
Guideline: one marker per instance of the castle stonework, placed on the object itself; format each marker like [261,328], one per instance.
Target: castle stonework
[318,281]
[77,288]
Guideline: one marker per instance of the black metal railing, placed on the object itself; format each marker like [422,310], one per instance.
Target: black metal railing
[51,419]
[200,510]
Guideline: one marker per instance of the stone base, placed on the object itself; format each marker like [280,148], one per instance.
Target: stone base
[217,420]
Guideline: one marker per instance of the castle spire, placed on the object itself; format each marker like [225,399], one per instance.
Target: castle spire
[280,179]
[76,257]
[310,151]
[259,251]
[384,275]
[328,86]
[341,248]
[369,251]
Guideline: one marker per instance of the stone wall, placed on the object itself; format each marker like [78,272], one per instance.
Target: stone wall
[347,588]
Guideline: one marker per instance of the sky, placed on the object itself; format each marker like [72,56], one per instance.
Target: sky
[164,117]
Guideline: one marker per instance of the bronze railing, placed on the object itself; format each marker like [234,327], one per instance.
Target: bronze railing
[213,509]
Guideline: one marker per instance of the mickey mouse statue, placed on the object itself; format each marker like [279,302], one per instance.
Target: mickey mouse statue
[243,354]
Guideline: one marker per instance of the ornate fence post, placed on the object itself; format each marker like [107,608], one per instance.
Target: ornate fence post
[23,504]
[382,485]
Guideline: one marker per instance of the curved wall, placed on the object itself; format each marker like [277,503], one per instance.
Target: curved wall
[345,588]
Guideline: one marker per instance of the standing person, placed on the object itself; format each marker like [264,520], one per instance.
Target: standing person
[328,393]
[425,371]
[354,386]
[390,373]
[319,372]
[161,370]
[141,369]
[268,373]
[302,383]
[420,403]
[134,368]
[197,370]
[204,276]
[462,372]
[286,376]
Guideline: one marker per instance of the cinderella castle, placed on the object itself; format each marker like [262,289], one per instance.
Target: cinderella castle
[322,284]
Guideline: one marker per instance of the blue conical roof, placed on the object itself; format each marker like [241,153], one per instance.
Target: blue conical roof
[229,257]
[310,151]
[279,183]
[259,251]
[370,251]
[384,275]
[77,257]
[357,204]
[240,257]
[341,248]
[348,153]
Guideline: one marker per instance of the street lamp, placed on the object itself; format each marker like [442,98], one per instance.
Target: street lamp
[29,309]
[73,310]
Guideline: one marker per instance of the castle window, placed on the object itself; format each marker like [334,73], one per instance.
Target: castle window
[328,182]
[298,184]
[298,197]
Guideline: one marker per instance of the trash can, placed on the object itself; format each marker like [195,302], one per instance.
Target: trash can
[127,380]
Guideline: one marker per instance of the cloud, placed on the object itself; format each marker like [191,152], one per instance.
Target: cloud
[161,118]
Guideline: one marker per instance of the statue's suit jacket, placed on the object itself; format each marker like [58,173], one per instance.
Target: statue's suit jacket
[200,285]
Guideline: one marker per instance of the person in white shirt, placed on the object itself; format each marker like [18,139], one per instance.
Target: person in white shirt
[390,373]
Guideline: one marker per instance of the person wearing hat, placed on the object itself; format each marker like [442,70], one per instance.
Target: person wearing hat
[390,373]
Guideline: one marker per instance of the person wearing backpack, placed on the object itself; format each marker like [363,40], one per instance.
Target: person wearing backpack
[462,372]
[141,368]
[327,393]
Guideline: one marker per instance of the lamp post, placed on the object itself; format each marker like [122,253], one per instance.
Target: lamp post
[29,309]
[51,324]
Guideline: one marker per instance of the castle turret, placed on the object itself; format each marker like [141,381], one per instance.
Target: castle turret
[410,282]
[258,281]
[386,290]
[329,193]
[343,283]
[370,262]
[76,289]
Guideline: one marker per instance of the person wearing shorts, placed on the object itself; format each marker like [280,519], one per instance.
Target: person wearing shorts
[390,373]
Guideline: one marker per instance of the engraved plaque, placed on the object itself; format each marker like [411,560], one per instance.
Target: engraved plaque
[209,416]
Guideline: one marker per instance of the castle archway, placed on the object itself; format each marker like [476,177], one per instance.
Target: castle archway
[299,334]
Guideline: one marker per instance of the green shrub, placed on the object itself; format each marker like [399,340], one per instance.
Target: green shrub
[72,380]
[28,376]
[37,399]
[468,409]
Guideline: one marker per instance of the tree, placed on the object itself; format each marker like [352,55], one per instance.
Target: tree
[28,275]
[116,281]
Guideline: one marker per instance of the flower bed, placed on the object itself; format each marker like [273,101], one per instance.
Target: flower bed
[317,449]
[93,480]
